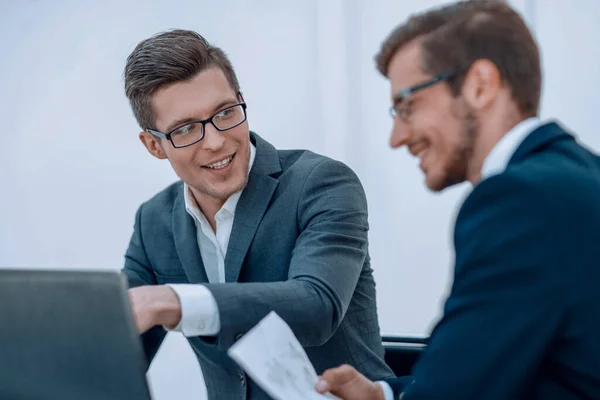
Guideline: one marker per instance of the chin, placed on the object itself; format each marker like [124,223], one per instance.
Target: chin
[226,191]
[436,183]
[439,184]
[220,191]
[434,187]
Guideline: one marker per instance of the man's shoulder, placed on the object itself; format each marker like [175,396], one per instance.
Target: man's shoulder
[302,163]
[300,159]
[555,168]
[553,180]
[164,199]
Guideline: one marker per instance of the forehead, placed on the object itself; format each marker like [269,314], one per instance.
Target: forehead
[195,98]
[404,69]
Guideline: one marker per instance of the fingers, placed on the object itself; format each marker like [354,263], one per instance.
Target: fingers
[333,379]
[137,310]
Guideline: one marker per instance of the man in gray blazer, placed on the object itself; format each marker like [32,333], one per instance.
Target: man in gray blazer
[248,229]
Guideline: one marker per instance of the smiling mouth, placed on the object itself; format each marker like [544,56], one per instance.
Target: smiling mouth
[418,148]
[220,164]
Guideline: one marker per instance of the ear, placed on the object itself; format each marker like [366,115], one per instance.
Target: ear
[152,144]
[482,84]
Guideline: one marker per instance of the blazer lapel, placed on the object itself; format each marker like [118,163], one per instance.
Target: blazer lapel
[252,205]
[186,243]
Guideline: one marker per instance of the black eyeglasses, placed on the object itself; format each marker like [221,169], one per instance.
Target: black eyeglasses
[401,107]
[193,132]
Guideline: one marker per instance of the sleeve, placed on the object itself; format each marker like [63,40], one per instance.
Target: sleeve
[395,386]
[199,311]
[138,271]
[506,302]
[326,263]
[388,394]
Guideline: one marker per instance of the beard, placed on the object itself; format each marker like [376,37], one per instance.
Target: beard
[456,170]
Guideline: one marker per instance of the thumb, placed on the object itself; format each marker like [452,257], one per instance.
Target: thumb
[334,378]
[322,386]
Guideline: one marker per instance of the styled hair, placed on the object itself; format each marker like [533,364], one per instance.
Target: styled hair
[167,58]
[457,35]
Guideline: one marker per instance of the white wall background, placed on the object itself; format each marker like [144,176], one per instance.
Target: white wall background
[73,171]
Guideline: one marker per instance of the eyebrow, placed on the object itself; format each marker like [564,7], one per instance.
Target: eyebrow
[183,121]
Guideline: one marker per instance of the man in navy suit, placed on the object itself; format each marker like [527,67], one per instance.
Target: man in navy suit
[522,320]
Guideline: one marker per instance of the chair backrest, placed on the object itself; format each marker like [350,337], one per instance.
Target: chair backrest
[402,353]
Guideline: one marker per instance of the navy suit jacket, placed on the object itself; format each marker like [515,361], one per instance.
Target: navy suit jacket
[522,320]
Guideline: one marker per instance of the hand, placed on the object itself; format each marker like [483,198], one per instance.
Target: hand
[349,384]
[154,305]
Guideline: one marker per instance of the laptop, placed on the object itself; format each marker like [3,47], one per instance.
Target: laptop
[68,335]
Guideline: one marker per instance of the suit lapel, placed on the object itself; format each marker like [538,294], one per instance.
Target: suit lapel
[252,205]
[186,242]
[541,137]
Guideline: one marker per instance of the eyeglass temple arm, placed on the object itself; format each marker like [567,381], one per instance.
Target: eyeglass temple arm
[156,133]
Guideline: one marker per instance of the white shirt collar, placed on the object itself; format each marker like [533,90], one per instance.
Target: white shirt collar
[497,161]
[191,205]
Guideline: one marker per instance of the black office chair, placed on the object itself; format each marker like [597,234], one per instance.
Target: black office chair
[401,353]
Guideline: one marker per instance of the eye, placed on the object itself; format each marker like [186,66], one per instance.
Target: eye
[227,113]
[185,130]
[407,107]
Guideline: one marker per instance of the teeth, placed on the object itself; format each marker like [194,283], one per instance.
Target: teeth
[220,164]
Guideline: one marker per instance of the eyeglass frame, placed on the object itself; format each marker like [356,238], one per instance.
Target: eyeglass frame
[404,93]
[204,122]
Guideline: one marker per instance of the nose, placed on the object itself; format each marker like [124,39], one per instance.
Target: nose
[400,133]
[213,139]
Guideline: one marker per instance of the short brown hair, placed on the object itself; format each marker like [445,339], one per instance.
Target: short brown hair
[166,58]
[457,35]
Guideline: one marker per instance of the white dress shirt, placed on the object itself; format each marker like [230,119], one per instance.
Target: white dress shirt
[199,311]
[495,163]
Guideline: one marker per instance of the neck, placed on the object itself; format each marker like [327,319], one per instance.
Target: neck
[491,129]
[209,206]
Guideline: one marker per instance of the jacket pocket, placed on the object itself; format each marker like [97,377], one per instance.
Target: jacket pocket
[163,279]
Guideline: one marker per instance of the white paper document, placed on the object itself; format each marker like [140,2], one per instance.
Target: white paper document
[274,359]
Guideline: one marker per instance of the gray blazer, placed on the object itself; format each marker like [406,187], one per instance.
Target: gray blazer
[298,246]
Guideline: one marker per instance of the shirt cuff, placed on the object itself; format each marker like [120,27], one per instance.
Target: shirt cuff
[388,393]
[199,311]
